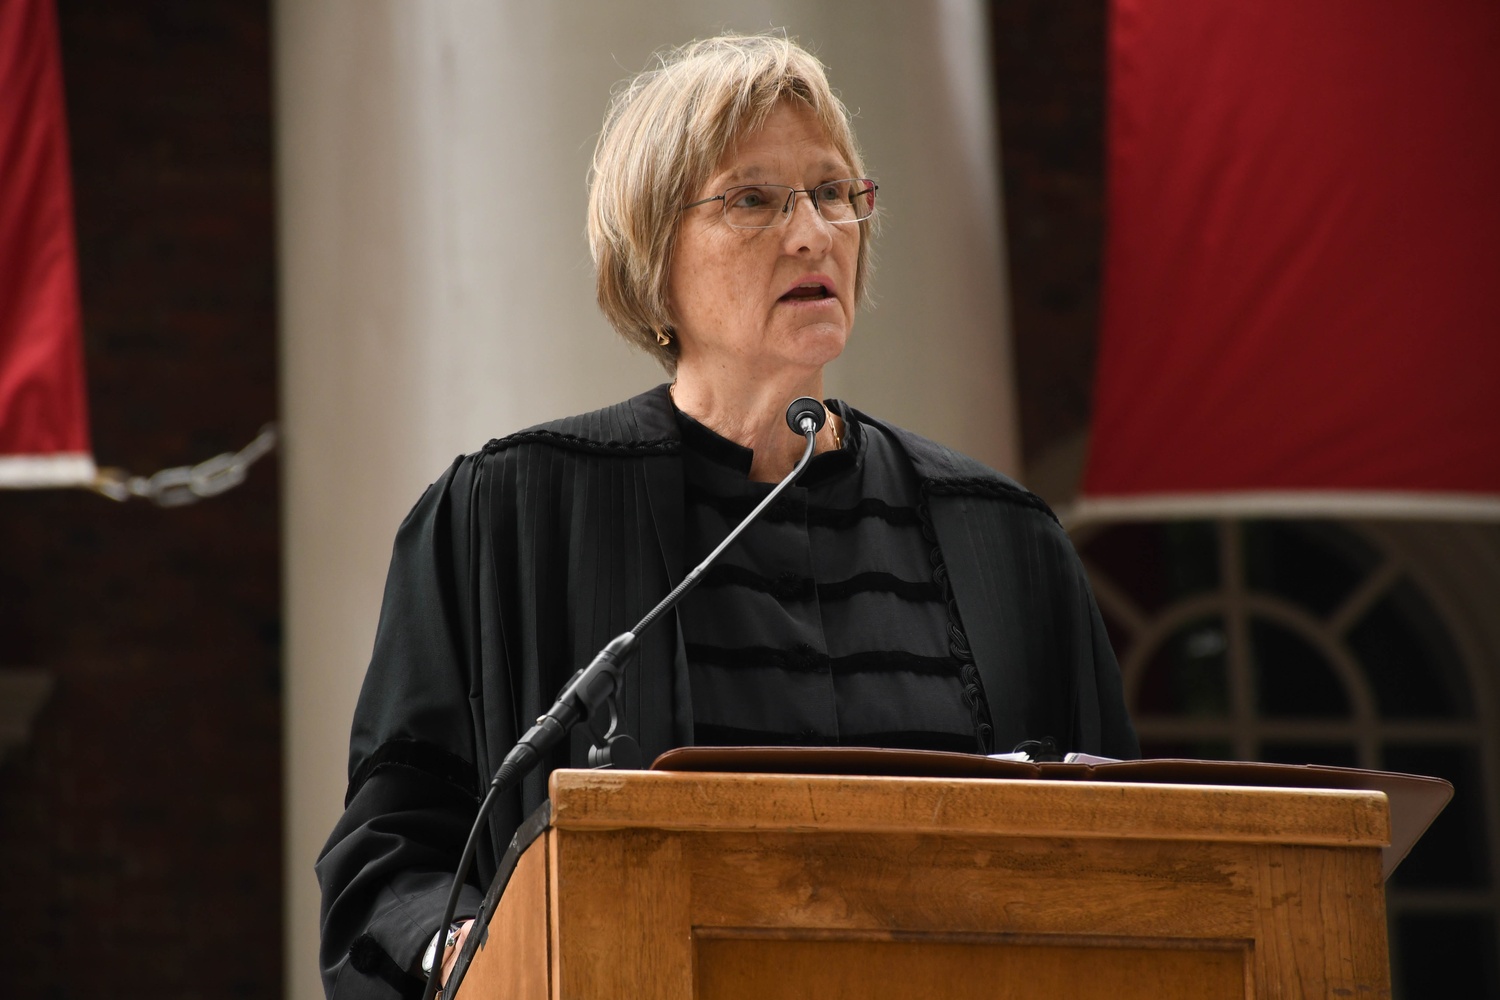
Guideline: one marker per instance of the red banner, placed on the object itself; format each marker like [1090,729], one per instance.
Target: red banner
[1302,285]
[43,407]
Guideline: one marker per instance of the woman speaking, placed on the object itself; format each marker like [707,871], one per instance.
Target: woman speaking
[897,595]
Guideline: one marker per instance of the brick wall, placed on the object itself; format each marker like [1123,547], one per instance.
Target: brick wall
[140,828]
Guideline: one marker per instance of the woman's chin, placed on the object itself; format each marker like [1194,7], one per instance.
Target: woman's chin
[816,345]
[804,348]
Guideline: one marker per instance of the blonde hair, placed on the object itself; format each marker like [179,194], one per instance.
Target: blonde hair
[666,131]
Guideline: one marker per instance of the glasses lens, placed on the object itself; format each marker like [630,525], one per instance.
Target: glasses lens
[850,200]
[836,201]
[755,206]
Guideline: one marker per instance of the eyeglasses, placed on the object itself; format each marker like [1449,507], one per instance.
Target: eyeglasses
[766,206]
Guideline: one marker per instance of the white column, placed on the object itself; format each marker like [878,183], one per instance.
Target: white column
[436,288]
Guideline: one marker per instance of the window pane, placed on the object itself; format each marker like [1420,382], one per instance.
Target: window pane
[1292,677]
[1314,566]
[1409,658]
[1186,749]
[1326,754]
[1444,956]
[1187,674]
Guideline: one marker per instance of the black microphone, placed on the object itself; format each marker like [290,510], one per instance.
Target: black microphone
[803,409]
[591,688]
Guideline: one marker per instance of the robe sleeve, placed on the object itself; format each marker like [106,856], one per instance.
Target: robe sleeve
[1082,651]
[1032,623]
[387,868]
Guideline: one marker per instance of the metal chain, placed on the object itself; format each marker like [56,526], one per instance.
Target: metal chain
[187,484]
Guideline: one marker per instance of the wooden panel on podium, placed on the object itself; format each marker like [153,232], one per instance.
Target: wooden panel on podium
[715,886]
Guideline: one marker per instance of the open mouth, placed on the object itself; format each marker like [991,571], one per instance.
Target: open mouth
[808,293]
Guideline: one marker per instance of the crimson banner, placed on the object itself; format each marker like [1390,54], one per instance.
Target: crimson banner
[1301,303]
[43,407]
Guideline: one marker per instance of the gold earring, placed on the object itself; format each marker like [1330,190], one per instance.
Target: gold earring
[663,338]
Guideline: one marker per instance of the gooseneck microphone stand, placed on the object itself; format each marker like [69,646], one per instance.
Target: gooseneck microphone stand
[591,688]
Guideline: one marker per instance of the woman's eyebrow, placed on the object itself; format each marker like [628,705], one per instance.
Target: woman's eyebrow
[758,172]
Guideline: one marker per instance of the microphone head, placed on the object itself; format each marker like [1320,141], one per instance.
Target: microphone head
[805,410]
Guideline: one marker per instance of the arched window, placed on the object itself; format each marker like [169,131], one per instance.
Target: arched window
[1309,643]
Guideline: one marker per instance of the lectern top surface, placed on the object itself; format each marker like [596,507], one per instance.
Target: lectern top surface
[583,800]
[1415,800]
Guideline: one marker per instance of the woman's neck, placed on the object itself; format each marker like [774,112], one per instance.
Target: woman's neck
[751,412]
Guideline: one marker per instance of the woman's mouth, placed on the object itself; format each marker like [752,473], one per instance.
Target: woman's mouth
[808,293]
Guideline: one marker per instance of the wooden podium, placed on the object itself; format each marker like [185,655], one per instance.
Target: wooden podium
[682,885]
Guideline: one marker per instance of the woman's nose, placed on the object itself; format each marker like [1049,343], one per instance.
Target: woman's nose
[807,228]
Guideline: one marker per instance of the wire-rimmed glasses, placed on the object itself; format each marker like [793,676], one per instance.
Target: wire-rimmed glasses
[766,206]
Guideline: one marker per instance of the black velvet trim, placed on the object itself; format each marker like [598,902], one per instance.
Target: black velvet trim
[707,734]
[369,958]
[735,509]
[886,583]
[792,587]
[890,661]
[993,489]
[840,517]
[785,587]
[805,659]
[792,509]
[572,442]
[431,760]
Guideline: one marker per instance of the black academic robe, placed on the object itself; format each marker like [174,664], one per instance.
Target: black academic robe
[525,558]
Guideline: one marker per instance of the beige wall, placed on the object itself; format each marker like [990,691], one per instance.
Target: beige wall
[436,287]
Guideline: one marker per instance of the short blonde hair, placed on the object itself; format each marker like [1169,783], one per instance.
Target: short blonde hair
[666,131]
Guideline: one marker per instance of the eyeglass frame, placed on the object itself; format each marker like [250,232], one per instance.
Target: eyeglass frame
[789,206]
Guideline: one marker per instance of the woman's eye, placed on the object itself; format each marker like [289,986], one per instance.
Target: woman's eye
[749,198]
[835,192]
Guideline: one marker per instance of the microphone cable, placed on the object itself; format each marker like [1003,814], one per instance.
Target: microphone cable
[589,688]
